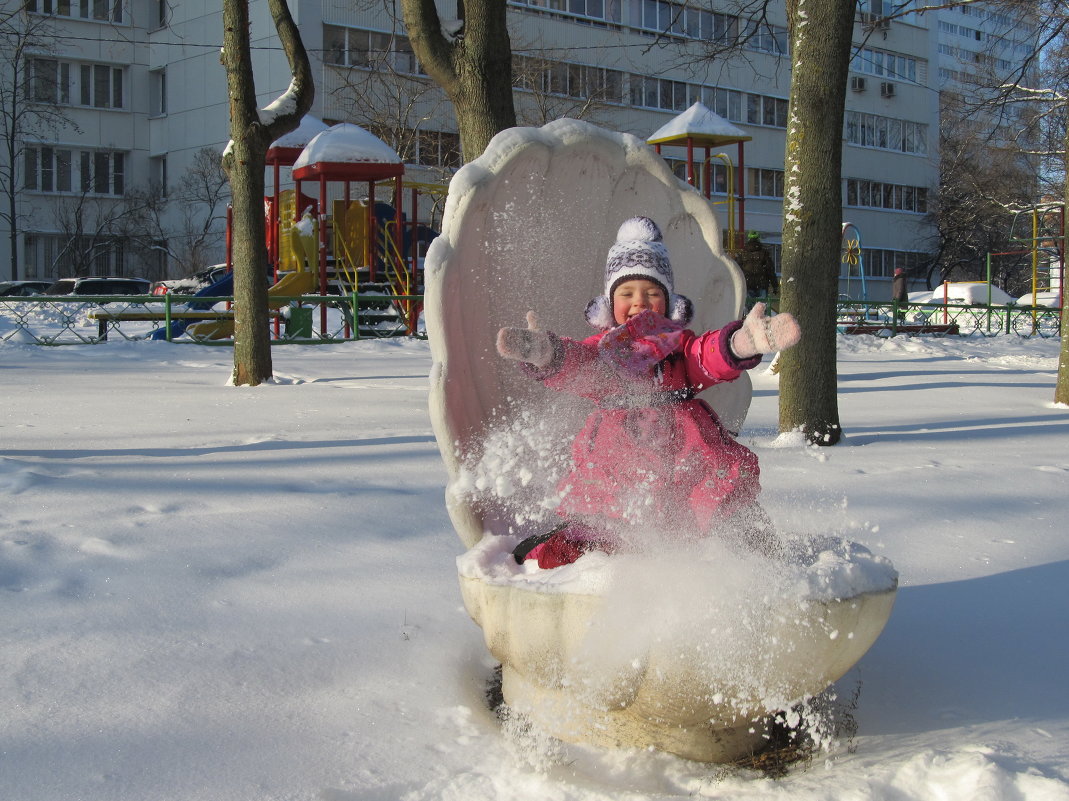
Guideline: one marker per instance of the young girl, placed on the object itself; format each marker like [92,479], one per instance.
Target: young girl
[650,453]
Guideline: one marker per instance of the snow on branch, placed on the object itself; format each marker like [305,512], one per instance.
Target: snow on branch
[283,105]
[1023,94]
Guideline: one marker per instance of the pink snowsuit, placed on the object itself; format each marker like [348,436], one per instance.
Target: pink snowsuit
[650,450]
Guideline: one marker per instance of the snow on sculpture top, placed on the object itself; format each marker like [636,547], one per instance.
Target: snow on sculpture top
[527,226]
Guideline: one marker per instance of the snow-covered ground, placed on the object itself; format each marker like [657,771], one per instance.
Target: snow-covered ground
[228,593]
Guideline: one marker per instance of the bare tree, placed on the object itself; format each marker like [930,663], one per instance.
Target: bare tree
[473,65]
[252,131]
[201,195]
[981,185]
[94,232]
[394,104]
[1046,92]
[31,104]
[184,223]
[812,213]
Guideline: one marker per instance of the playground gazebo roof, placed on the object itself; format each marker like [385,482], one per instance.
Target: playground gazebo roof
[285,150]
[700,126]
[346,152]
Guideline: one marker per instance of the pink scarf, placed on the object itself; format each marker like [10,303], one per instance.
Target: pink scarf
[640,343]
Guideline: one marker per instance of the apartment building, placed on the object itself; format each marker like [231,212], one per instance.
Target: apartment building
[141,83]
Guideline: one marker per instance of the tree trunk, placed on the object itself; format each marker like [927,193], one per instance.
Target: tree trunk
[812,214]
[1061,388]
[474,68]
[251,134]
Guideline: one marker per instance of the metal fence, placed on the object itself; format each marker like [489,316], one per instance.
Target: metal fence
[952,319]
[313,319]
[304,319]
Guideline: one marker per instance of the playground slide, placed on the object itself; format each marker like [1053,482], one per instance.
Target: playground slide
[220,289]
[301,283]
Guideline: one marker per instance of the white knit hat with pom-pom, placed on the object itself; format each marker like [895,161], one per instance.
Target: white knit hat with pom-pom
[639,252]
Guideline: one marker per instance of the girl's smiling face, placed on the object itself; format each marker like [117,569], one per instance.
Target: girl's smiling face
[637,295]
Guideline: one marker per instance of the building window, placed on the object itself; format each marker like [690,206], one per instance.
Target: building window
[725,102]
[47,169]
[571,80]
[768,39]
[99,10]
[884,64]
[662,93]
[100,86]
[50,81]
[879,195]
[882,263]
[730,104]
[96,85]
[438,149]
[158,92]
[354,47]
[596,10]
[102,172]
[717,175]
[762,110]
[872,130]
[762,182]
[51,256]
[158,173]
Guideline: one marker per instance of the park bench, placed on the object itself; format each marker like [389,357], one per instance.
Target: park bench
[104,317]
[902,328]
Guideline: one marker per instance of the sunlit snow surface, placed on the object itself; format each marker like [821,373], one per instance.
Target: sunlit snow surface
[221,593]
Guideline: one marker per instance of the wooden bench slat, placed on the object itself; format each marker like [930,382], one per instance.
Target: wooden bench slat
[148,316]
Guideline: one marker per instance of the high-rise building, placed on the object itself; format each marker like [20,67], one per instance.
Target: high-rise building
[138,91]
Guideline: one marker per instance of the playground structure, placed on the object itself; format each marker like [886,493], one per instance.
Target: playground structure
[330,236]
[350,224]
[362,245]
[1046,237]
[853,257]
[699,127]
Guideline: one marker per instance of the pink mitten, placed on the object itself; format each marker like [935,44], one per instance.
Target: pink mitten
[763,334]
[530,344]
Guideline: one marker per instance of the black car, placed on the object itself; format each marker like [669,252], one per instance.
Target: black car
[23,289]
[100,286]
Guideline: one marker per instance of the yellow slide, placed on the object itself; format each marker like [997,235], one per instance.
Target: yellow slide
[289,285]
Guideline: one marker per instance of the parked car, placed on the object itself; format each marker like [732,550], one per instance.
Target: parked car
[967,293]
[1048,298]
[100,286]
[191,284]
[23,289]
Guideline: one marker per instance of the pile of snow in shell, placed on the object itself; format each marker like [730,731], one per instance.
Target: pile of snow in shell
[820,569]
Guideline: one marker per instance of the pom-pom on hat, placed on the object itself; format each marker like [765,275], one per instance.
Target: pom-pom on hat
[639,252]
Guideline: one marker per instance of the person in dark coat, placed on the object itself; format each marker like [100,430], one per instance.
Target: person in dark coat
[757,267]
[898,286]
